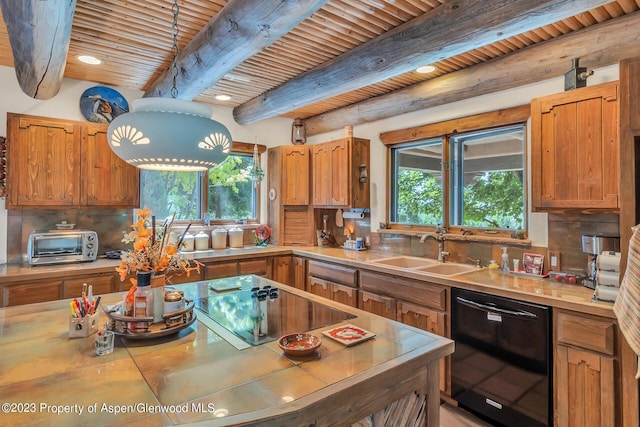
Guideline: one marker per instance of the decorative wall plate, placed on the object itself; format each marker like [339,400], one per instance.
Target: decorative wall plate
[101,104]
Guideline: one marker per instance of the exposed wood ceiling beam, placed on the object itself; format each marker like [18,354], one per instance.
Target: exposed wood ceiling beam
[597,46]
[453,28]
[240,30]
[39,33]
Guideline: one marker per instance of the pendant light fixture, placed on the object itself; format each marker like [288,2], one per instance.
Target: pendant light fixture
[169,133]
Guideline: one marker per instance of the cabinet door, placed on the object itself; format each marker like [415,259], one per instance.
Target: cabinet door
[31,293]
[321,175]
[344,294]
[431,321]
[106,179]
[340,177]
[102,284]
[295,176]
[299,272]
[220,269]
[282,269]
[378,304]
[43,168]
[259,267]
[575,149]
[319,287]
[585,388]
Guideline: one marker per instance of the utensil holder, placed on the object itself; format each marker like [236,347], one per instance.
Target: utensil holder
[82,327]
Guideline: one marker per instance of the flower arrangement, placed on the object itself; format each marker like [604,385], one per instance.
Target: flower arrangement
[152,251]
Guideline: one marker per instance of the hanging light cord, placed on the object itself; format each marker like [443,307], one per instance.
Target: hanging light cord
[174,66]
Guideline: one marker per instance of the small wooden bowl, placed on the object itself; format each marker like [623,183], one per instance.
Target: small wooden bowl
[299,344]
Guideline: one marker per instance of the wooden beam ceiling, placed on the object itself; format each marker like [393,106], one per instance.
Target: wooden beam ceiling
[452,28]
[39,32]
[602,44]
[241,29]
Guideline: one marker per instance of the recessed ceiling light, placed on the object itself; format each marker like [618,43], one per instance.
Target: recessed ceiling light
[223,97]
[426,69]
[88,59]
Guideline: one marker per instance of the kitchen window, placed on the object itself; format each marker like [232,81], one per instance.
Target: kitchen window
[225,192]
[465,173]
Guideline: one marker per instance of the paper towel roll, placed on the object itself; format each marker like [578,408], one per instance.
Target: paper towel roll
[609,261]
[356,215]
[606,293]
[608,278]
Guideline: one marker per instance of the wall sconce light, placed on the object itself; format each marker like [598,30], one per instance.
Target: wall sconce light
[298,132]
[363,173]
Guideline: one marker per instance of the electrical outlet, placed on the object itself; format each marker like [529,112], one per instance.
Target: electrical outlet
[554,260]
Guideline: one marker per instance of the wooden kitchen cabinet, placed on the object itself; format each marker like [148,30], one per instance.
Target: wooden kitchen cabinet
[289,211]
[585,370]
[101,284]
[107,180]
[299,272]
[575,149]
[412,302]
[258,266]
[54,163]
[334,282]
[31,292]
[282,269]
[336,173]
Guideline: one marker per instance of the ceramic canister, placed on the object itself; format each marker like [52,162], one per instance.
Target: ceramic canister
[236,237]
[202,241]
[219,238]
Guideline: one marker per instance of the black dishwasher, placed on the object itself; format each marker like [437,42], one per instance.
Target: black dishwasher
[501,368]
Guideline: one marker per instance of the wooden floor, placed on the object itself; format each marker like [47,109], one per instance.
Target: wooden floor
[450,416]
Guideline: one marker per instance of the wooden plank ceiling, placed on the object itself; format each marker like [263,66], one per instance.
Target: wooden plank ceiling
[133,38]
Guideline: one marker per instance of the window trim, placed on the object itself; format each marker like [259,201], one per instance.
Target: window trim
[483,121]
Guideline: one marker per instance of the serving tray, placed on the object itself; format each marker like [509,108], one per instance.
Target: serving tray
[140,328]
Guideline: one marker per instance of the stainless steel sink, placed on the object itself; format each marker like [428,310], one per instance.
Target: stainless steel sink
[406,261]
[448,269]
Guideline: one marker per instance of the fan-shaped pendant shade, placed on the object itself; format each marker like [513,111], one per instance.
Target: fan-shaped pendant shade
[169,134]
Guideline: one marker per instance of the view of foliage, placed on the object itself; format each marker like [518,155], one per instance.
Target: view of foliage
[230,191]
[493,200]
[419,198]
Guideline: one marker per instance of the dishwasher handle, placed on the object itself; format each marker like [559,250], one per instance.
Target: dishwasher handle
[494,309]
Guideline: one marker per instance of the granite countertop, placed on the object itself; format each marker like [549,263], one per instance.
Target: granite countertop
[50,378]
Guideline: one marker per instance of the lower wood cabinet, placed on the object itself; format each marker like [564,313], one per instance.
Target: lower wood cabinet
[282,269]
[100,284]
[412,302]
[335,282]
[31,292]
[216,270]
[585,365]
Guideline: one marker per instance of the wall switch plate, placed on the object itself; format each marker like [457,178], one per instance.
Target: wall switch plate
[554,260]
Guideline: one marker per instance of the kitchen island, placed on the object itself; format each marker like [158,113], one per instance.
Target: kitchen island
[196,375]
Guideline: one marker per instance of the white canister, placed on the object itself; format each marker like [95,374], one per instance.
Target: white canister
[202,241]
[219,238]
[188,243]
[236,237]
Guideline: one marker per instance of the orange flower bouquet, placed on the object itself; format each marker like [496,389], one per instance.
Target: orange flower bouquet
[152,251]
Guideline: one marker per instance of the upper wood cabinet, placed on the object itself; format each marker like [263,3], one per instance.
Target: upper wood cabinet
[289,211]
[107,180]
[575,149]
[60,163]
[336,173]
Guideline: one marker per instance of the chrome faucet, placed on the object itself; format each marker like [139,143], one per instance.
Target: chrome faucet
[439,237]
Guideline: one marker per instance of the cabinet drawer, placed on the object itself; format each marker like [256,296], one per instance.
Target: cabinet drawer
[222,269]
[31,293]
[333,272]
[259,267]
[100,285]
[587,332]
[416,291]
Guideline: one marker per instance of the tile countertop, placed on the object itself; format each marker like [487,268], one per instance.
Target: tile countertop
[50,378]
[536,290]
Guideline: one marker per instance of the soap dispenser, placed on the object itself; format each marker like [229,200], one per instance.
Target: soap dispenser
[504,266]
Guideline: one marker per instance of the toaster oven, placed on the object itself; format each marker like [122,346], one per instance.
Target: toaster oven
[62,247]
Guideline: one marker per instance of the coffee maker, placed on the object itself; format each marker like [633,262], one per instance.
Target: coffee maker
[594,245]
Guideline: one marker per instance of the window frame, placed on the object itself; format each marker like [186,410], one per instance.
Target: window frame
[237,147]
[484,121]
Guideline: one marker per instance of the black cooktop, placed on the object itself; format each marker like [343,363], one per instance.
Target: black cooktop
[260,315]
